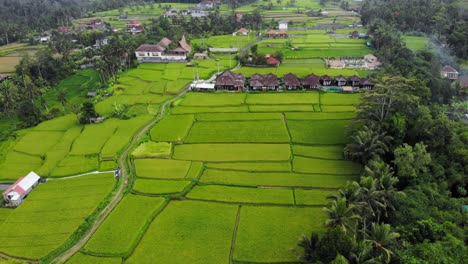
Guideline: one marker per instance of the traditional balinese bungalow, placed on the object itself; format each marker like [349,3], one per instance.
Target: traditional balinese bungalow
[291,81]
[354,81]
[230,81]
[354,34]
[368,85]
[449,72]
[264,82]
[16,193]
[135,27]
[340,80]
[159,52]
[282,33]
[311,81]
[271,33]
[272,61]
[326,80]
[242,31]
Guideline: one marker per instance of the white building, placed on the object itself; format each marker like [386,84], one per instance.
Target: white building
[282,24]
[160,53]
[15,194]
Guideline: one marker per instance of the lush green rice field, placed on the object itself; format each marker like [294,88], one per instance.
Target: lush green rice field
[119,234]
[264,131]
[172,128]
[39,226]
[150,186]
[188,232]
[416,43]
[318,131]
[237,152]
[269,241]
[161,168]
[80,258]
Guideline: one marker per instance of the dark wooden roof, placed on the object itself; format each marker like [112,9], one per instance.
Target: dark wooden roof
[311,80]
[449,69]
[291,80]
[228,78]
[354,78]
[150,48]
[264,80]
[340,78]
[184,45]
[164,42]
[326,78]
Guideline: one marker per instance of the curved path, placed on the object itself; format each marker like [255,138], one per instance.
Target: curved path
[119,194]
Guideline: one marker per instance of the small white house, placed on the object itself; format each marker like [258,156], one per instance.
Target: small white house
[282,24]
[15,194]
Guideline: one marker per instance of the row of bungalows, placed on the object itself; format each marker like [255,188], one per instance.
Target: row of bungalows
[270,82]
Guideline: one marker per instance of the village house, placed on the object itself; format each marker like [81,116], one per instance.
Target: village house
[135,27]
[242,31]
[264,82]
[202,86]
[230,81]
[311,81]
[354,34]
[355,81]
[272,61]
[326,80]
[340,80]
[271,33]
[282,24]
[277,34]
[449,72]
[291,81]
[371,62]
[159,52]
[200,56]
[367,85]
[282,33]
[207,4]
[16,193]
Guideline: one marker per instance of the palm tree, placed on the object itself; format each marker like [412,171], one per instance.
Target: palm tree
[367,144]
[382,237]
[361,253]
[341,215]
[310,246]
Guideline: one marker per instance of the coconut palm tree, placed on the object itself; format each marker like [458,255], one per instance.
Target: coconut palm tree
[361,253]
[341,215]
[368,143]
[310,245]
[382,238]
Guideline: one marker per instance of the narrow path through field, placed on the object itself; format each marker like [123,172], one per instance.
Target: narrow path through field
[79,175]
[119,193]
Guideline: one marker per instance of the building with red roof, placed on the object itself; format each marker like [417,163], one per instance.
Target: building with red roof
[15,194]
[272,61]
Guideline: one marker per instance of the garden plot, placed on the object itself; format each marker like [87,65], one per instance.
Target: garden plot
[242,195]
[323,152]
[213,99]
[273,179]
[151,186]
[319,116]
[119,233]
[321,166]
[80,258]
[172,128]
[251,166]
[38,143]
[188,232]
[202,109]
[39,226]
[340,99]
[267,234]
[238,116]
[324,132]
[237,152]
[280,99]
[152,149]
[265,131]
[161,168]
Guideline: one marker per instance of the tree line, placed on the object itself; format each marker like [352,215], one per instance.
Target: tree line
[407,206]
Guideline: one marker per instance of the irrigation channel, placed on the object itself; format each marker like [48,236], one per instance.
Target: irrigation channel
[119,193]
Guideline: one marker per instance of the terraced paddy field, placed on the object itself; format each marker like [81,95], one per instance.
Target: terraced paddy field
[230,185]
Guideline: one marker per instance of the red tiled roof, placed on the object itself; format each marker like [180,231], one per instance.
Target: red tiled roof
[133,22]
[271,32]
[243,30]
[150,48]
[273,61]
[164,42]
[283,32]
[449,69]
[15,187]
